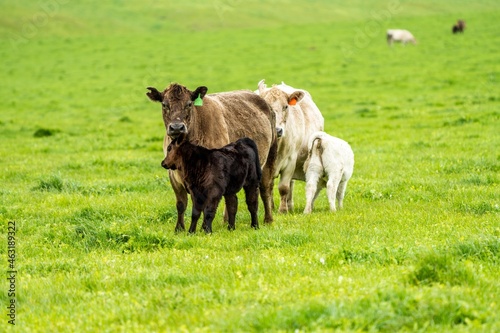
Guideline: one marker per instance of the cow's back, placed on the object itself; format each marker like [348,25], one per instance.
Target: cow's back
[245,114]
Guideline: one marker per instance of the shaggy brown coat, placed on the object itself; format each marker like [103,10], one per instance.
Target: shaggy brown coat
[209,174]
[223,118]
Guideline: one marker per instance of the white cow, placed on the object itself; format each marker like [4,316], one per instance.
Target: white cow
[400,36]
[330,162]
[297,117]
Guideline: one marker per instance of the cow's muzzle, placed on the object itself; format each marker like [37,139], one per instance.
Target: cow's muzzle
[166,166]
[175,129]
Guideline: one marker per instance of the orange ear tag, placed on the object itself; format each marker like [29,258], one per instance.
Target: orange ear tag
[293,101]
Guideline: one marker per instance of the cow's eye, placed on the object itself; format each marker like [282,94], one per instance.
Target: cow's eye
[164,105]
[169,148]
[285,108]
[188,105]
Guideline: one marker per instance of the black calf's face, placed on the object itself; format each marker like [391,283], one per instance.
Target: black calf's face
[173,159]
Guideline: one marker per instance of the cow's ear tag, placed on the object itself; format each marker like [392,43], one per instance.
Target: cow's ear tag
[198,101]
[293,101]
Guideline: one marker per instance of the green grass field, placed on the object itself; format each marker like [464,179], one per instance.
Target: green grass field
[416,247]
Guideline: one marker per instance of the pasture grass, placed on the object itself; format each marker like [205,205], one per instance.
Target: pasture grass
[416,247]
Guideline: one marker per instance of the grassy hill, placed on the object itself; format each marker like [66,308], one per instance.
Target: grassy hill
[416,247]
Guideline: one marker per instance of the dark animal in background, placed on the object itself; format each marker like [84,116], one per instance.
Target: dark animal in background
[210,174]
[214,120]
[458,27]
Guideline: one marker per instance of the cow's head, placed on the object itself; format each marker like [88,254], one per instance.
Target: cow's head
[178,103]
[280,102]
[173,160]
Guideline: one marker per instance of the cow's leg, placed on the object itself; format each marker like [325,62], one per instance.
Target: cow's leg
[266,193]
[252,200]
[231,208]
[181,201]
[289,198]
[267,183]
[284,189]
[284,186]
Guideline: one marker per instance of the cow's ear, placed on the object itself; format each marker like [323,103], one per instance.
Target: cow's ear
[262,86]
[199,92]
[154,95]
[295,97]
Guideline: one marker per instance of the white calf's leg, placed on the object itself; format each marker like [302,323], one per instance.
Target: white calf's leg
[311,190]
[341,193]
[313,174]
[321,185]
[331,190]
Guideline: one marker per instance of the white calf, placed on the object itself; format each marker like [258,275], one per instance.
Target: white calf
[401,36]
[330,162]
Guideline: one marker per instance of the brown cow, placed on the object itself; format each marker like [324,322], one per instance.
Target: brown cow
[214,120]
[210,174]
[458,27]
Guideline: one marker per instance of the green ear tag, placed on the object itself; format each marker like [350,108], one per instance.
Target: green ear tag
[198,101]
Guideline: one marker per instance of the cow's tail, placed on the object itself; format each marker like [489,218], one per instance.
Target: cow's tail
[315,143]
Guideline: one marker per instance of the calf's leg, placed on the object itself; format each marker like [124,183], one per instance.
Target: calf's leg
[341,192]
[252,200]
[209,213]
[181,201]
[195,215]
[311,191]
[314,173]
[231,208]
[331,191]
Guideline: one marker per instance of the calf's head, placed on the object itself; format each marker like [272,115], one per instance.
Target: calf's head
[178,103]
[280,102]
[173,160]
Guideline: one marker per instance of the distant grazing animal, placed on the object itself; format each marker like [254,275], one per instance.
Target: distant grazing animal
[297,117]
[209,174]
[214,120]
[330,163]
[400,36]
[458,27]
